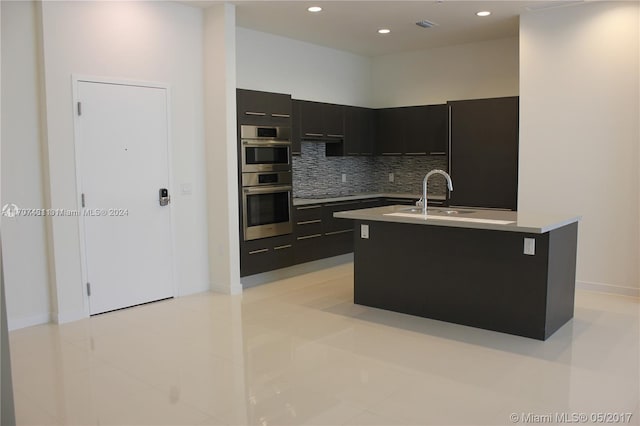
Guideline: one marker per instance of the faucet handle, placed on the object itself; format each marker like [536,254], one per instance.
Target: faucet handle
[420,202]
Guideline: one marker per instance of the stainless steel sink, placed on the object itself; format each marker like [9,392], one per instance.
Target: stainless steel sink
[442,211]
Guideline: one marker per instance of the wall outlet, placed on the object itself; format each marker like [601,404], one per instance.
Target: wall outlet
[344,177]
[364,232]
[530,246]
[391,177]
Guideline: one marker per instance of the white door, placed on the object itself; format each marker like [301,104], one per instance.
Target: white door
[123,164]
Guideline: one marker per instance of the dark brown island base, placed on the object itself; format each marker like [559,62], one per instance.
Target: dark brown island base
[504,271]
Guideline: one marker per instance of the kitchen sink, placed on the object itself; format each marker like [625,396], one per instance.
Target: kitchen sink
[444,211]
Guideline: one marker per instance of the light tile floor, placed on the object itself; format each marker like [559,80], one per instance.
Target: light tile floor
[298,352]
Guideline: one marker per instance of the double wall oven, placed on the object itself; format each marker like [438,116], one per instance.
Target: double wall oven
[266,181]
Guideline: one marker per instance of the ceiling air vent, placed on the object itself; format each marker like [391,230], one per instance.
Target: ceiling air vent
[426,24]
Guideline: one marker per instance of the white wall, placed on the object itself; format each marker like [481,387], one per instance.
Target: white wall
[139,41]
[25,256]
[306,71]
[468,71]
[221,148]
[579,134]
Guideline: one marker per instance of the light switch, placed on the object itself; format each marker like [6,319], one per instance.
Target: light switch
[344,177]
[391,177]
[364,232]
[530,246]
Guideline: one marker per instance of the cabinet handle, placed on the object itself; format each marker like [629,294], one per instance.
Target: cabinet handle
[308,222]
[259,251]
[314,134]
[353,153]
[391,153]
[438,153]
[259,114]
[338,232]
[281,115]
[369,201]
[335,136]
[283,247]
[342,203]
[315,206]
[415,153]
[306,237]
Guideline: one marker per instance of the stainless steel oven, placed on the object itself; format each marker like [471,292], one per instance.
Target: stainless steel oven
[266,204]
[265,148]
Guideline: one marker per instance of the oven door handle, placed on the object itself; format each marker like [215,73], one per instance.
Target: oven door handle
[267,189]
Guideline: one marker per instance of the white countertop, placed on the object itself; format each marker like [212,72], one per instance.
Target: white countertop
[498,220]
[304,201]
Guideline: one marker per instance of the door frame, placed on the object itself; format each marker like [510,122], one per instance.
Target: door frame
[76,79]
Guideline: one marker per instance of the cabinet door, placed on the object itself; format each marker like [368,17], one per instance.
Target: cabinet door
[416,136]
[256,107]
[389,131]
[296,147]
[426,131]
[483,157]
[333,121]
[436,127]
[311,120]
[252,107]
[359,131]
[280,108]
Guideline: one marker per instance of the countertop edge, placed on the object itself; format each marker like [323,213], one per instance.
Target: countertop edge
[369,215]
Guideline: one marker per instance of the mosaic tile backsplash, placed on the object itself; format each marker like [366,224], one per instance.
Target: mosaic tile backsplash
[315,175]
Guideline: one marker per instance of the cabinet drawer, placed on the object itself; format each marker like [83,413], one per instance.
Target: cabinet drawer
[309,248]
[266,254]
[307,213]
[307,228]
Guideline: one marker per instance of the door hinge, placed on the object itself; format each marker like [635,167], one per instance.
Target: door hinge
[79,108]
[82,199]
[88,289]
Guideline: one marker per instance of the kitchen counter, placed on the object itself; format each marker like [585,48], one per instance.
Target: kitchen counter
[468,270]
[332,199]
[497,220]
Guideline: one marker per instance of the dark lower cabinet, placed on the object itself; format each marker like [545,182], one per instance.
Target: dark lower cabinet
[266,254]
[316,235]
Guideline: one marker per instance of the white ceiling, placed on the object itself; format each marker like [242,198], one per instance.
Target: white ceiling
[352,25]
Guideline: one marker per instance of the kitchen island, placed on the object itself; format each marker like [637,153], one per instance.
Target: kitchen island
[511,272]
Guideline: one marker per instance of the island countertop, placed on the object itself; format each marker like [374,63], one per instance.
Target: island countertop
[498,220]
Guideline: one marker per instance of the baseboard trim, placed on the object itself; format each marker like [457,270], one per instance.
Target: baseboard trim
[24,322]
[292,271]
[65,317]
[607,288]
[235,288]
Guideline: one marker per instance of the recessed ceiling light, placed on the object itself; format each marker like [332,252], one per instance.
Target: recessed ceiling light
[384,31]
[315,9]
[484,13]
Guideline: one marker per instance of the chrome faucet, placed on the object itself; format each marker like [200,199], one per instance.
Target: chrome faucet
[424,186]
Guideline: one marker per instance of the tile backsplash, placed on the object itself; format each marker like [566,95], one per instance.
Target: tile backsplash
[315,175]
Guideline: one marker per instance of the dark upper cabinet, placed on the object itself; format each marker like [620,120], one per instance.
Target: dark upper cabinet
[359,131]
[263,108]
[389,133]
[296,145]
[333,116]
[426,130]
[320,121]
[416,130]
[483,157]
